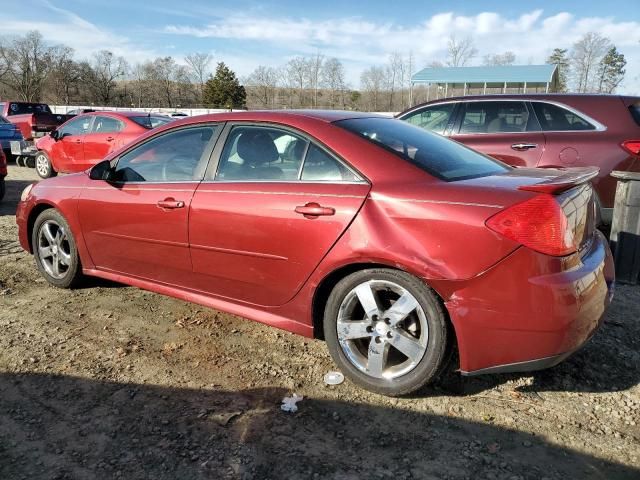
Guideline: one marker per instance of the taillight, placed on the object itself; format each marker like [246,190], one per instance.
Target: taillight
[538,223]
[632,146]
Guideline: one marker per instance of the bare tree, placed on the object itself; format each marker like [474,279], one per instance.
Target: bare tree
[262,83]
[105,70]
[314,72]
[198,64]
[296,73]
[460,52]
[586,56]
[333,79]
[25,63]
[65,74]
[372,83]
[497,59]
[395,70]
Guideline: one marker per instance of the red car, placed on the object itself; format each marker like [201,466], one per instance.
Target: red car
[391,243]
[87,139]
[558,130]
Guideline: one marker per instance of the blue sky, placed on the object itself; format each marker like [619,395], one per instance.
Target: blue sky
[246,34]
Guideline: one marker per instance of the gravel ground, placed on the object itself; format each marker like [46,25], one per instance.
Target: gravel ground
[110,381]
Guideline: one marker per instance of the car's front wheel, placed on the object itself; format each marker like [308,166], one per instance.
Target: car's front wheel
[54,249]
[386,330]
[43,165]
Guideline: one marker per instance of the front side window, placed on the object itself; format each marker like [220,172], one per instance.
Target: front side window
[172,157]
[256,153]
[554,118]
[106,125]
[434,118]
[77,126]
[495,117]
[438,156]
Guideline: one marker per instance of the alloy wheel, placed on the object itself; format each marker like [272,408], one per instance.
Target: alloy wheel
[54,250]
[382,329]
[42,166]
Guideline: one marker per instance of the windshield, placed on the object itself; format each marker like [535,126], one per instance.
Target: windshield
[438,156]
[3,120]
[22,108]
[149,121]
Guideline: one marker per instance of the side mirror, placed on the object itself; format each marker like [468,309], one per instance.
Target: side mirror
[54,134]
[101,171]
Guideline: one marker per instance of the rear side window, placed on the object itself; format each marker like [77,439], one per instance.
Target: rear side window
[496,117]
[554,118]
[106,125]
[635,112]
[434,118]
[148,121]
[438,156]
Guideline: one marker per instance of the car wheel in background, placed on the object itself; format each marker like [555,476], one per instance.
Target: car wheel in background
[43,166]
[2,188]
[386,330]
[54,249]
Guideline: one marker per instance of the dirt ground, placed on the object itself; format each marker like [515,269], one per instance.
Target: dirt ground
[110,381]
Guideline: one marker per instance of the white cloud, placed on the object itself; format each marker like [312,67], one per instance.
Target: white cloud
[359,43]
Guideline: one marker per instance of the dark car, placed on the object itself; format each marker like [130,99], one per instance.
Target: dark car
[8,132]
[373,234]
[556,130]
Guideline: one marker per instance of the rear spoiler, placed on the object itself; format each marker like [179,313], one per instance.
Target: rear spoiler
[568,179]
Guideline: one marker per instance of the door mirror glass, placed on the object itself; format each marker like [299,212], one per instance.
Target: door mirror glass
[101,171]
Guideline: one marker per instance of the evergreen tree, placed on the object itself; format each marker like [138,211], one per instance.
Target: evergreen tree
[223,90]
[611,71]
[559,57]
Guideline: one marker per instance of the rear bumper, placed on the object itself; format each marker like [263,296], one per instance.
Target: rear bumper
[531,311]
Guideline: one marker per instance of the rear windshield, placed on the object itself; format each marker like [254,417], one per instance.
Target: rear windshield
[22,108]
[438,156]
[635,112]
[151,121]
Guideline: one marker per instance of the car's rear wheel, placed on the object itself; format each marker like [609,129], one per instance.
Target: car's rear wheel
[43,166]
[54,249]
[386,330]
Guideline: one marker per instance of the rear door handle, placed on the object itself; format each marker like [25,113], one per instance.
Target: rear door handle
[110,139]
[170,203]
[524,146]
[313,210]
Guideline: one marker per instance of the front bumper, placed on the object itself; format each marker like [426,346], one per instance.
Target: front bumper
[531,311]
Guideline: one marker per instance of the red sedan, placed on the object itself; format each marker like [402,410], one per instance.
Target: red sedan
[87,139]
[391,243]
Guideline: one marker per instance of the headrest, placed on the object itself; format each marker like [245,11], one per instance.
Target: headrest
[255,147]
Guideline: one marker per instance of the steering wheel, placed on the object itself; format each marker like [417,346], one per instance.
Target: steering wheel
[178,168]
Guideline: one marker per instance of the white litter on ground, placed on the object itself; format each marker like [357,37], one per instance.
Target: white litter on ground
[289,403]
[333,378]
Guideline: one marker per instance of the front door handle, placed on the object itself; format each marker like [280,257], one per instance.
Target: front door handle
[170,203]
[110,139]
[313,210]
[524,146]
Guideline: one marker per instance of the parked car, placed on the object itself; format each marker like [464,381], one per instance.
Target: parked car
[557,130]
[86,139]
[391,243]
[32,119]
[8,132]
[3,173]
[79,111]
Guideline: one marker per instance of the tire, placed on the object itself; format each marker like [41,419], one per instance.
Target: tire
[43,165]
[60,266]
[19,160]
[2,188]
[422,334]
